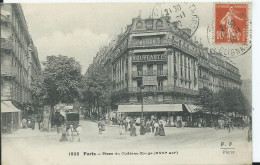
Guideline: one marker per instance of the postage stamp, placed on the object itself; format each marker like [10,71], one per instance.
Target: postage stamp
[230,31]
[231,23]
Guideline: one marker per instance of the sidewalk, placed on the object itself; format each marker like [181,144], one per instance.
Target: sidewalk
[29,133]
[109,125]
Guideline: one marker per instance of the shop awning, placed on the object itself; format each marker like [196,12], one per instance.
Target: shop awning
[151,108]
[192,108]
[7,106]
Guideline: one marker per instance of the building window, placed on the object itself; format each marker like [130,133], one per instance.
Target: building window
[181,73]
[149,69]
[160,85]
[139,83]
[139,69]
[139,25]
[175,71]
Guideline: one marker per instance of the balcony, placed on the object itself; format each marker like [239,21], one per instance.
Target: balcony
[6,44]
[162,73]
[150,73]
[163,89]
[8,71]
[134,89]
[137,73]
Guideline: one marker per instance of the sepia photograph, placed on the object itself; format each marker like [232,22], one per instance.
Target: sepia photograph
[126,83]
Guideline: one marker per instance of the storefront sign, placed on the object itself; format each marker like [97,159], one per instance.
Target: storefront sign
[153,57]
[149,80]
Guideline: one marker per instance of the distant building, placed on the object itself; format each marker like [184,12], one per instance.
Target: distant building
[157,55]
[19,62]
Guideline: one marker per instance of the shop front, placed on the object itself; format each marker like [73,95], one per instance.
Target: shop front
[10,117]
[168,113]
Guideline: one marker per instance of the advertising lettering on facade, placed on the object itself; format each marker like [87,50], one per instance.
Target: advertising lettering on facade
[153,57]
[149,80]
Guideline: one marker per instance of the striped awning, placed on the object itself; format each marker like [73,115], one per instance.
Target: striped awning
[7,106]
[192,108]
[151,108]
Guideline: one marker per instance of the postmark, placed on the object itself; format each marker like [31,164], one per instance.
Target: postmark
[185,14]
[230,32]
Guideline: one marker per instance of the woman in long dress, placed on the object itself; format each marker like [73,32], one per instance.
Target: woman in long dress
[147,127]
[161,129]
[120,128]
[133,130]
[156,127]
[142,129]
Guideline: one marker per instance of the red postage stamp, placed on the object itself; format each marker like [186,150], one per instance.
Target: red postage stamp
[231,23]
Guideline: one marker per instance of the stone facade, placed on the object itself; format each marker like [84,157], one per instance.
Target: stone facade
[172,67]
[19,57]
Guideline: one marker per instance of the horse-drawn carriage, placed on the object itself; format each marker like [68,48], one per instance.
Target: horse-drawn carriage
[72,118]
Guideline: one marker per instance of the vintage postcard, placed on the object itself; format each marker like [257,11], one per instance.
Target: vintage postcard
[126,83]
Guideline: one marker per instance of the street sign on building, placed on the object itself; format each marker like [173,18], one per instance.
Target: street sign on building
[149,80]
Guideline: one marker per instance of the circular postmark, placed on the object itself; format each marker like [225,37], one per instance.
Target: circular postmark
[184,14]
[230,32]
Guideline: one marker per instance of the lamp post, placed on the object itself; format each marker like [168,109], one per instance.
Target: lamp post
[142,107]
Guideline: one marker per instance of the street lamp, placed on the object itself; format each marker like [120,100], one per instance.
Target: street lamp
[142,107]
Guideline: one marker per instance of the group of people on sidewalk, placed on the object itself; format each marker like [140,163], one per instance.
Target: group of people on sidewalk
[146,126]
[32,121]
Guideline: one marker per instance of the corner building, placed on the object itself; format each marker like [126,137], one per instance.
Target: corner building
[19,66]
[163,58]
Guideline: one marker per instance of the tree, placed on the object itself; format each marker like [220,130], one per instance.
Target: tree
[60,80]
[97,93]
[207,100]
[234,101]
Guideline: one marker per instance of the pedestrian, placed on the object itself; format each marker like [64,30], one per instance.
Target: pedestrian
[120,128]
[131,123]
[24,123]
[63,133]
[152,124]
[156,127]
[147,126]
[29,123]
[100,126]
[142,128]
[161,129]
[79,130]
[33,123]
[70,131]
[39,120]
[125,124]
[200,122]
[133,130]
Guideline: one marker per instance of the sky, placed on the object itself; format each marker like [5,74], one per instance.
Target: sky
[80,29]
